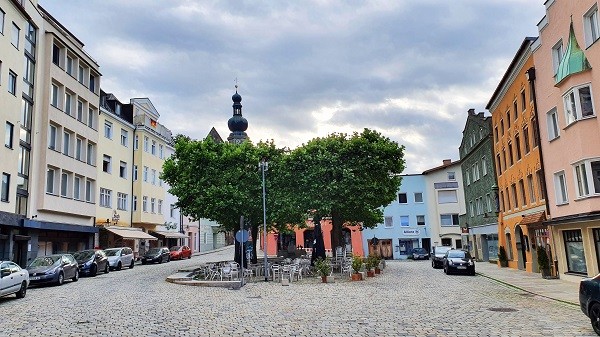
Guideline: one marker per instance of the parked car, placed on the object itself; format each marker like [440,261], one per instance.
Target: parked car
[419,254]
[159,255]
[91,261]
[589,300]
[119,257]
[180,252]
[13,279]
[459,261]
[53,269]
[437,256]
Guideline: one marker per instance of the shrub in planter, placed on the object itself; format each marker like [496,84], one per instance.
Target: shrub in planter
[370,263]
[543,261]
[502,257]
[323,267]
[357,263]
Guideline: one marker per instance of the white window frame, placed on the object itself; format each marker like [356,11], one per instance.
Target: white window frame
[560,188]
[451,216]
[552,121]
[108,126]
[584,178]
[447,196]
[52,137]
[135,172]
[50,180]
[557,55]
[421,217]
[108,160]
[415,196]
[160,202]
[146,170]
[451,176]
[152,205]
[590,26]
[161,153]
[77,188]
[124,137]
[146,140]
[404,221]
[122,201]
[573,105]
[105,197]
[89,190]
[123,169]
[153,148]
[388,222]
[15,35]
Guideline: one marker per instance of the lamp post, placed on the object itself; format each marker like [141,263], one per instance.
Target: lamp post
[264,166]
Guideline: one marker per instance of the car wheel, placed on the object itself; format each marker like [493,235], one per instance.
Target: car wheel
[432,264]
[445,270]
[76,277]
[61,278]
[131,265]
[472,273]
[119,266]
[106,268]
[143,262]
[23,291]
[160,260]
[595,318]
[189,256]
[168,258]
[94,270]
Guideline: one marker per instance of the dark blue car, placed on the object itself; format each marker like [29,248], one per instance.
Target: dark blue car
[589,300]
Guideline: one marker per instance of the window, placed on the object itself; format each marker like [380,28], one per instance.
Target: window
[468,176]
[508,205]
[451,176]
[507,119]
[575,252]
[536,132]
[172,211]
[134,203]
[68,103]
[557,54]
[153,177]
[504,159]
[515,110]
[2,14]
[52,137]
[418,197]
[8,135]
[69,67]
[80,111]
[484,166]
[518,146]
[12,83]
[123,169]
[496,134]
[578,104]
[404,221]
[105,196]
[108,129]
[89,187]
[50,181]
[79,148]
[106,161]
[153,148]
[388,222]
[64,184]
[560,187]
[145,143]
[488,202]
[124,137]
[146,173]
[5,187]
[449,219]
[161,154]
[92,83]
[56,54]
[66,143]
[420,220]
[402,199]
[590,22]
[160,202]
[587,176]
[526,139]
[501,201]
[81,74]
[55,93]
[136,142]
[523,101]
[523,193]
[509,251]
[510,154]
[121,201]
[152,204]
[77,188]
[135,172]
[498,164]
[514,195]
[91,150]
[502,127]
[446,197]
[91,117]
[16,32]
[471,208]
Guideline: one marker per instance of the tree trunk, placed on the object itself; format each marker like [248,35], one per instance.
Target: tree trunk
[238,255]
[337,222]
[254,234]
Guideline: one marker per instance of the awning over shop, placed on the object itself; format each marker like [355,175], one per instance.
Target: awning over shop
[533,220]
[130,233]
[172,235]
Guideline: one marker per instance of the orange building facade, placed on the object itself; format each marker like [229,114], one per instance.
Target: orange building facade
[521,186]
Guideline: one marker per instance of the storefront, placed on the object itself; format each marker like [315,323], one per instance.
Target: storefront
[134,238]
[13,238]
[170,238]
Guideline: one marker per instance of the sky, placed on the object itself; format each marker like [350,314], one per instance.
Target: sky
[409,69]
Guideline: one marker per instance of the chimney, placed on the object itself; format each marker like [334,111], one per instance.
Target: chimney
[471,111]
[447,162]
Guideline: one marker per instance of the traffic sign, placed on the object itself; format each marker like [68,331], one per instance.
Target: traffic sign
[242,235]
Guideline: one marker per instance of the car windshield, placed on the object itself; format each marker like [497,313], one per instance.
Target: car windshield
[111,252]
[456,253]
[84,254]
[176,248]
[44,261]
[442,250]
[419,250]
[153,251]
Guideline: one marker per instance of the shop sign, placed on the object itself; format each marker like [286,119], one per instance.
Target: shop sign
[411,232]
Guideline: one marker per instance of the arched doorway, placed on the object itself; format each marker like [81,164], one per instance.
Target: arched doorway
[309,238]
[521,243]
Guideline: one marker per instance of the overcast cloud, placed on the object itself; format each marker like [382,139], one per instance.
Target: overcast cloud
[409,69]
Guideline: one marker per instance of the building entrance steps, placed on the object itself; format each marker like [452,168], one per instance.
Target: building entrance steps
[556,289]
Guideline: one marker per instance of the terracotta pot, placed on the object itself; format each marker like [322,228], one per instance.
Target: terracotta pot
[377,271]
[370,273]
[356,277]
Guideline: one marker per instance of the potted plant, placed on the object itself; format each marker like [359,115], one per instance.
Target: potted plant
[357,263]
[377,262]
[369,265]
[502,257]
[543,262]
[323,267]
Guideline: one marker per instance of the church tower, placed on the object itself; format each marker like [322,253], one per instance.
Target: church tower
[237,123]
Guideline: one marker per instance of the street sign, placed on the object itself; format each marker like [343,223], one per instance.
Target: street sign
[242,235]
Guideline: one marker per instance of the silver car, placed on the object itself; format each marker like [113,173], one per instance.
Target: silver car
[120,257]
[13,279]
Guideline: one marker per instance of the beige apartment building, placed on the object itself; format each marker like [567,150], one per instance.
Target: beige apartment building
[565,57]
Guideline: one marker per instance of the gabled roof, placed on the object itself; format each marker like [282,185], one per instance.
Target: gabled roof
[215,135]
[447,163]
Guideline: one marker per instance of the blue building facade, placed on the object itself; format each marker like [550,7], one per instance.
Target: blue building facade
[405,223]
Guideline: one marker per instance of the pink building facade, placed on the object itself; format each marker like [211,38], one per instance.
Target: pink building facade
[566,58]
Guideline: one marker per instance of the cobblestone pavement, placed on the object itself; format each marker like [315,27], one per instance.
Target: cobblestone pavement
[408,299]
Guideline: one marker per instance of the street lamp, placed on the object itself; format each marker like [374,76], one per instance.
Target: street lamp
[264,166]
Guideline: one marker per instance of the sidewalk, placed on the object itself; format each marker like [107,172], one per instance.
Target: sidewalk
[556,289]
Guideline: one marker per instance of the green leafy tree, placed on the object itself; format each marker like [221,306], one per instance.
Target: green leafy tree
[348,178]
